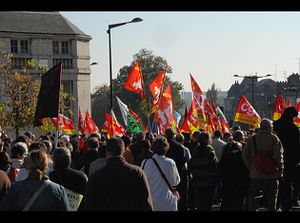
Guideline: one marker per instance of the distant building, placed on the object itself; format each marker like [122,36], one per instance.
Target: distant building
[49,38]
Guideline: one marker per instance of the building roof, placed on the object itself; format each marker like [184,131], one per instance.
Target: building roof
[52,23]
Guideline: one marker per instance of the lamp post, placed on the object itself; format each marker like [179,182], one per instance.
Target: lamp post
[110,59]
[252,77]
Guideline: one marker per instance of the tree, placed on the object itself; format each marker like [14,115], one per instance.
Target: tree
[151,66]
[212,94]
[19,94]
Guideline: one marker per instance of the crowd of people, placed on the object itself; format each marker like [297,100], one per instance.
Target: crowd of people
[150,172]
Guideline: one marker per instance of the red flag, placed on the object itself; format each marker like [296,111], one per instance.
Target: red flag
[107,126]
[246,113]
[64,122]
[200,97]
[279,107]
[297,119]
[191,122]
[289,103]
[212,118]
[165,112]
[90,124]
[135,82]
[156,89]
[134,115]
[117,128]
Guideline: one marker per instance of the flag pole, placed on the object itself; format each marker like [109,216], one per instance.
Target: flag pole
[59,101]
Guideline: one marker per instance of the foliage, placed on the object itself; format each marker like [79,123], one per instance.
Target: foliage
[212,94]
[151,66]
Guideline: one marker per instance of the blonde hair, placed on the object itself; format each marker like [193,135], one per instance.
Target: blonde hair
[38,163]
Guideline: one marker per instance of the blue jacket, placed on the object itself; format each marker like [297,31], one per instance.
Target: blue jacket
[52,198]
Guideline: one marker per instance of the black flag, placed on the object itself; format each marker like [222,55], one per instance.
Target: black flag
[48,100]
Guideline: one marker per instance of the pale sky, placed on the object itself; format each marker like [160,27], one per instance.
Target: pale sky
[213,46]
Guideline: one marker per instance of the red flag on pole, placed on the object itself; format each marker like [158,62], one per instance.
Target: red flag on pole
[90,124]
[64,122]
[81,123]
[135,82]
[279,107]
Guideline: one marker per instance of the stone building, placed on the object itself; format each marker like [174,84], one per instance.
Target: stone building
[49,38]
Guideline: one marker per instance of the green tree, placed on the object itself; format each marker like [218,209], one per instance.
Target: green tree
[19,94]
[151,66]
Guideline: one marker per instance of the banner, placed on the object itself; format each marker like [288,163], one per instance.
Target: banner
[64,123]
[279,107]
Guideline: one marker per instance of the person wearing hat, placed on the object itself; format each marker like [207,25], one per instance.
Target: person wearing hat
[288,133]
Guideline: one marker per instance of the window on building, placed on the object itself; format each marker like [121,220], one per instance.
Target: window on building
[55,47]
[14,46]
[19,63]
[24,46]
[64,47]
[67,63]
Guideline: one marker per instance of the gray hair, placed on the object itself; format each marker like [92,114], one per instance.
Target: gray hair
[266,124]
[61,157]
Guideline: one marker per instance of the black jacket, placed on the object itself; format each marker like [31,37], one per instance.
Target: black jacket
[288,134]
[176,152]
[119,186]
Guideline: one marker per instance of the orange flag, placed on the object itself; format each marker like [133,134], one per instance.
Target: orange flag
[246,113]
[297,119]
[191,122]
[279,107]
[90,124]
[64,123]
[200,97]
[135,82]
[165,112]
[156,89]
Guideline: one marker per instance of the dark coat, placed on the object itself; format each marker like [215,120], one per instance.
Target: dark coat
[4,184]
[73,180]
[288,134]
[52,198]
[176,152]
[119,186]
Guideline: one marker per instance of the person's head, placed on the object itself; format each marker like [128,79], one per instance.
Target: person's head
[61,157]
[239,136]
[22,138]
[169,132]
[187,136]
[289,114]
[37,145]
[19,151]
[145,145]
[227,137]
[179,138]
[30,135]
[45,137]
[140,136]
[126,139]
[204,138]
[266,124]
[48,145]
[236,145]
[92,143]
[236,128]
[160,146]
[217,134]
[5,161]
[114,147]
[195,135]
[64,140]
[38,163]
[95,135]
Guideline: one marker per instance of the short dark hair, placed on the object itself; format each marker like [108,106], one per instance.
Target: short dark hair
[126,140]
[115,146]
[93,143]
[61,157]
[217,133]
[187,136]
[203,138]
[179,138]
[169,132]
[145,145]
[22,138]
[160,145]
[5,160]
[16,150]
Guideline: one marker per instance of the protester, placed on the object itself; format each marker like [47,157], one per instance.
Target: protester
[119,186]
[288,134]
[6,166]
[160,175]
[218,144]
[147,152]
[18,153]
[204,173]
[4,184]
[264,141]
[90,155]
[136,147]
[127,152]
[50,196]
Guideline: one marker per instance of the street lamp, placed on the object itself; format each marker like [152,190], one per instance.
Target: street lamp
[94,63]
[252,77]
[110,60]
